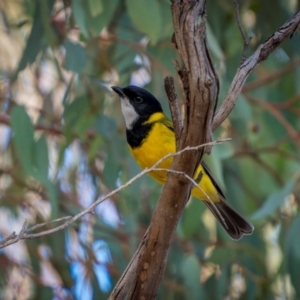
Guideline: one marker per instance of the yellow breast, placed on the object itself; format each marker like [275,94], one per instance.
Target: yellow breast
[161,142]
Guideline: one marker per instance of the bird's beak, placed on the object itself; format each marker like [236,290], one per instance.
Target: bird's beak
[119,91]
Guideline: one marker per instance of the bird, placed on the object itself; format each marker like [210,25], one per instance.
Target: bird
[150,137]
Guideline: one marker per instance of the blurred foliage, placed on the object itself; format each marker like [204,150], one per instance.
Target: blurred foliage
[66,146]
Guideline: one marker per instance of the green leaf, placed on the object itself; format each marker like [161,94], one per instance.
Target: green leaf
[80,17]
[23,137]
[111,170]
[274,201]
[41,158]
[214,45]
[218,285]
[191,218]
[293,255]
[36,39]
[100,14]
[146,16]
[164,54]
[76,57]
[222,256]
[76,116]
[105,126]
[43,292]
[53,197]
[45,12]
[94,147]
[95,7]
[223,282]
[190,271]
[242,110]
[57,242]
[74,109]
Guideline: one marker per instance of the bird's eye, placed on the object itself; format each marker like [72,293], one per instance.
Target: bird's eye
[138,99]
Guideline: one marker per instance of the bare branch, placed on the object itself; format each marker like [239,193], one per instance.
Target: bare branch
[262,53]
[245,39]
[38,226]
[200,92]
[24,233]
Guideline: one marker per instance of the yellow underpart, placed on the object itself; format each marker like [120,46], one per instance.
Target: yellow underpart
[160,142]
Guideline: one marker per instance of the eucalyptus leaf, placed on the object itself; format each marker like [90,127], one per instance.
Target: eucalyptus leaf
[190,271]
[95,7]
[43,292]
[146,16]
[76,56]
[292,255]
[80,16]
[36,40]
[23,138]
[274,201]
[41,158]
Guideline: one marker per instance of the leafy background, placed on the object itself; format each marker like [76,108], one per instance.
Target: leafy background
[63,146]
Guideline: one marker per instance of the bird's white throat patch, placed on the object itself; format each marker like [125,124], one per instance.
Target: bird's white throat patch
[129,113]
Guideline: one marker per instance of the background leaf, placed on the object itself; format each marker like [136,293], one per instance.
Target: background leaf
[75,57]
[293,255]
[23,137]
[146,16]
[274,201]
[58,61]
[190,271]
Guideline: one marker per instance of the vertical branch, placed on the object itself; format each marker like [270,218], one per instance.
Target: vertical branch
[239,22]
[142,277]
[247,66]
[198,76]
[200,84]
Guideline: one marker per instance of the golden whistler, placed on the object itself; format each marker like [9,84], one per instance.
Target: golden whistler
[150,136]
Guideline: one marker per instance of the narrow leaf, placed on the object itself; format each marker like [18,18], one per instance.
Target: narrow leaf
[41,158]
[75,56]
[80,16]
[146,16]
[95,7]
[37,35]
[274,201]
[293,255]
[190,271]
[23,137]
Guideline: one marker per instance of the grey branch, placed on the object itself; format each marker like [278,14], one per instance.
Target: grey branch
[239,22]
[246,67]
[68,220]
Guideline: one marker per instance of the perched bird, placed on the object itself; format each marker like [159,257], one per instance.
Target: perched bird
[150,136]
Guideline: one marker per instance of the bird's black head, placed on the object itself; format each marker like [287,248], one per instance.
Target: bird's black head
[137,104]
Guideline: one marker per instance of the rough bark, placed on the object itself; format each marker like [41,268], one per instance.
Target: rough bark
[143,275]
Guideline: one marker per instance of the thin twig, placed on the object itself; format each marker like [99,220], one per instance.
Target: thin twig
[37,226]
[13,238]
[246,40]
[261,54]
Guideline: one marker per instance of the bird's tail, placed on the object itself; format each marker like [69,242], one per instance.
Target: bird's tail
[234,224]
